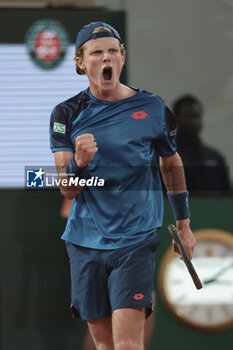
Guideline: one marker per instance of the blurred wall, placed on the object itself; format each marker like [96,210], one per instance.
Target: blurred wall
[183,46]
[40,3]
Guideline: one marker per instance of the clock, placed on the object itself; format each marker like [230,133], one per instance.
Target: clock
[210,308]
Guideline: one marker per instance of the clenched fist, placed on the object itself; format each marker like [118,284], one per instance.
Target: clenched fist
[85,149]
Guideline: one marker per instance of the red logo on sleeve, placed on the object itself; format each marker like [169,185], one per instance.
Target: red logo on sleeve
[139,115]
[138,296]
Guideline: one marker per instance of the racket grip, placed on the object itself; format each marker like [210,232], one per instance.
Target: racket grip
[185,257]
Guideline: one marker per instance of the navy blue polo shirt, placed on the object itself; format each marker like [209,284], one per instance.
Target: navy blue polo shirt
[131,134]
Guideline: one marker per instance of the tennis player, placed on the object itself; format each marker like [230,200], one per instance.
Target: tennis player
[123,136]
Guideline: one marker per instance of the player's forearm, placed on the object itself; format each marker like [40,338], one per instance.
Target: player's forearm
[173,173]
[174,179]
[70,192]
[66,186]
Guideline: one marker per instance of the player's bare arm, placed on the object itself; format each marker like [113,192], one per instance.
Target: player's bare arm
[62,160]
[85,147]
[173,176]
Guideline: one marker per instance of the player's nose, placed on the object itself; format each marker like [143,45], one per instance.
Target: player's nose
[106,56]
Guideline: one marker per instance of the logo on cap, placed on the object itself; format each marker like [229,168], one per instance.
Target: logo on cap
[47,41]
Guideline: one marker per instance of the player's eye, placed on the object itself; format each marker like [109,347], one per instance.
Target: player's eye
[96,52]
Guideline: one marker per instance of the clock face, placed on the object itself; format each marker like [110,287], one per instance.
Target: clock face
[210,308]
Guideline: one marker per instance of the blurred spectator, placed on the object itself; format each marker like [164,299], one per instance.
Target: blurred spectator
[205,168]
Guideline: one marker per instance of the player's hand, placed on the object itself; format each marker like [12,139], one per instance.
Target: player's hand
[86,148]
[186,237]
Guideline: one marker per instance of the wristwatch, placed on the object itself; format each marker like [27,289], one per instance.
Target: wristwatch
[210,308]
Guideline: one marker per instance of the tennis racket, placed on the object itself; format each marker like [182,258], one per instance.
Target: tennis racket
[185,257]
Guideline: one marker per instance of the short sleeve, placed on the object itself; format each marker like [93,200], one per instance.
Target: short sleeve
[167,143]
[59,131]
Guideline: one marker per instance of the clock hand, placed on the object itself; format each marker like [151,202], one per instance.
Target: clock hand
[219,273]
[224,282]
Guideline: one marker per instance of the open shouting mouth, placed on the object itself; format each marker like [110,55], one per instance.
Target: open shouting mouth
[107,73]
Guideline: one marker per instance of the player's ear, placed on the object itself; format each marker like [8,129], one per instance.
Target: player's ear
[80,63]
[123,58]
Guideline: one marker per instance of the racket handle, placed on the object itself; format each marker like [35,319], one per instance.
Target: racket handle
[186,259]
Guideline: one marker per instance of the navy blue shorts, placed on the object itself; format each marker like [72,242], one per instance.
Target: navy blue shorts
[105,280]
